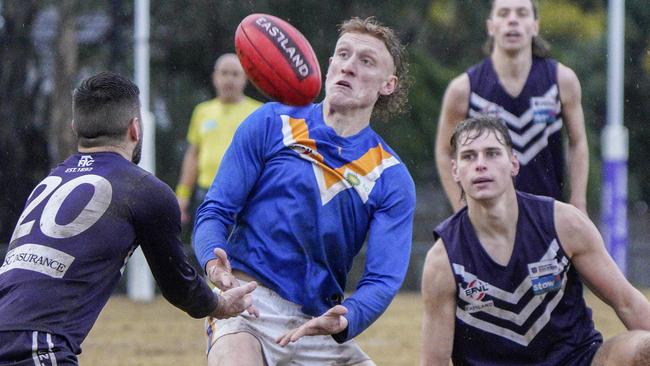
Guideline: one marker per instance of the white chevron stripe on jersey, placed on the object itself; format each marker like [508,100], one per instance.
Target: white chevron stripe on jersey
[524,286]
[518,122]
[532,332]
[523,315]
[513,298]
[525,157]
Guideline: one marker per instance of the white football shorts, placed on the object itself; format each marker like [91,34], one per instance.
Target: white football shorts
[277,317]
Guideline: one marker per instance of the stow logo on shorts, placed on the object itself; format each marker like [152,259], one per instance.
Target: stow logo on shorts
[286,46]
[360,174]
[38,258]
[508,320]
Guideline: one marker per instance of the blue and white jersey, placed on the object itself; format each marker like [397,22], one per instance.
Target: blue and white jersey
[305,200]
[71,243]
[529,312]
[534,119]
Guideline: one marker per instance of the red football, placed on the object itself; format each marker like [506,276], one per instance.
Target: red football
[278,59]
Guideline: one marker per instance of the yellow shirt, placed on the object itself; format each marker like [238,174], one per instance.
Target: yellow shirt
[212,128]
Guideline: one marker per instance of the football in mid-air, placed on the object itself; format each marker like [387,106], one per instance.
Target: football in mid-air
[278,59]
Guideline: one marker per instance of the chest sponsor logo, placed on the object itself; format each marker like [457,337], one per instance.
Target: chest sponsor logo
[545,276]
[38,258]
[543,109]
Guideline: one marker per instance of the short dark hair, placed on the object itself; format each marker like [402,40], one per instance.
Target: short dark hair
[103,106]
[387,106]
[541,48]
[475,127]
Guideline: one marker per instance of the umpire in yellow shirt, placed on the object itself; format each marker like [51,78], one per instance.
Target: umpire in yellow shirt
[212,127]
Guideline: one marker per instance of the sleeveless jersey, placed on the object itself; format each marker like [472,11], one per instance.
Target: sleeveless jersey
[71,243]
[534,119]
[529,312]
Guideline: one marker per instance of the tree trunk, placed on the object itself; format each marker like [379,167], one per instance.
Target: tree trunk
[19,143]
[62,140]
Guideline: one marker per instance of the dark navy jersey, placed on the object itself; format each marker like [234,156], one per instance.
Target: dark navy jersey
[534,119]
[529,312]
[72,241]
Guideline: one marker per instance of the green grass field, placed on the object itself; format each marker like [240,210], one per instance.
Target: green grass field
[155,334]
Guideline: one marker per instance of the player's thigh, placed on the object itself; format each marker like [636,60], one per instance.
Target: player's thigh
[241,349]
[627,349]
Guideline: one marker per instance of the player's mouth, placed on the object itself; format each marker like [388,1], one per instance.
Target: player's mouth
[513,35]
[344,83]
[481,180]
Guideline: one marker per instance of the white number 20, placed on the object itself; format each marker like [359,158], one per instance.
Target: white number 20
[93,210]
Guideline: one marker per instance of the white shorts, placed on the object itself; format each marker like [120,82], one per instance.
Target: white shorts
[278,316]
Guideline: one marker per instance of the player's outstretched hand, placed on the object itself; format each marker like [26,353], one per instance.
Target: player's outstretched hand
[219,271]
[331,322]
[220,274]
[236,300]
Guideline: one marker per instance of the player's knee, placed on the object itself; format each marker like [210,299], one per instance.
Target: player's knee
[642,350]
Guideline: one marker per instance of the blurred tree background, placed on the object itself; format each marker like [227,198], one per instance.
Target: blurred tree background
[48,46]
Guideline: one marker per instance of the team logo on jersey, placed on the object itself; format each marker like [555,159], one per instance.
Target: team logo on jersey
[543,109]
[545,276]
[352,179]
[360,174]
[85,161]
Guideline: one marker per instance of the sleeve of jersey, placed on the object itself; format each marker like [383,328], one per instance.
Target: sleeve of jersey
[387,256]
[238,173]
[157,223]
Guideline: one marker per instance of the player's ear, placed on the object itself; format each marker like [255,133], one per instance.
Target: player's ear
[134,130]
[515,164]
[389,86]
[454,171]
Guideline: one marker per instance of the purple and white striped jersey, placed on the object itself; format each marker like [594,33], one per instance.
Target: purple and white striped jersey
[529,312]
[534,119]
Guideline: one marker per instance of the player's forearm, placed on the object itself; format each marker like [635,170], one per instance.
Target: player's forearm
[443,163]
[189,173]
[210,232]
[635,312]
[578,174]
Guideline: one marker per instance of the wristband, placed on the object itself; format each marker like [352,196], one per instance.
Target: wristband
[183,191]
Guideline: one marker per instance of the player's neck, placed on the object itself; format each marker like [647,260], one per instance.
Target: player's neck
[497,216]
[121,150]
[230,100]
[346,121]
[512,66]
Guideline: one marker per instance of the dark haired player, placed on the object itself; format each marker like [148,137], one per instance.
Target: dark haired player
[79,227]
[503,283]
[533,95]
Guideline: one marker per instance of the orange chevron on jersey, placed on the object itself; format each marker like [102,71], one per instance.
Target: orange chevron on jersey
[360,174]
